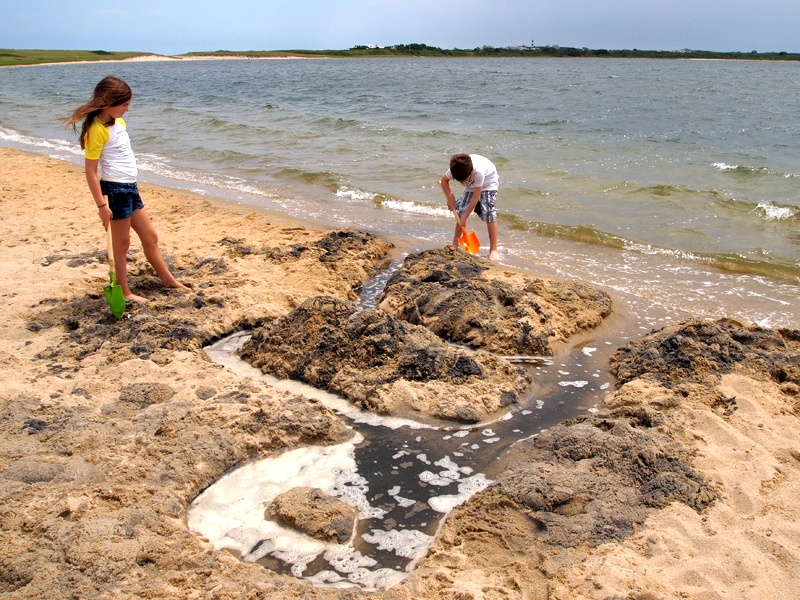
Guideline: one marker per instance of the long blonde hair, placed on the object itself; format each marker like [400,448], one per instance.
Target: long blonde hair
[111,91]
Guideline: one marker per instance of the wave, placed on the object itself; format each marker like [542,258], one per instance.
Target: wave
[766,209]
[389,202]
[157,165]
[55,147]
[548,123]
[665,190]
[784,269]
[774,212]
[748,171]
[325,179]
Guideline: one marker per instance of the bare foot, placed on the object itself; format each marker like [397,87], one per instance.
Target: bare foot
[494,255]
[135,298]
[176,285]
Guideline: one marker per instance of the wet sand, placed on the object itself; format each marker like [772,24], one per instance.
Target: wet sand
[110,429]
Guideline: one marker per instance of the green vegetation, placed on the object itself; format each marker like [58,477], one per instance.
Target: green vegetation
[38,57]
[402,50]
[35,57]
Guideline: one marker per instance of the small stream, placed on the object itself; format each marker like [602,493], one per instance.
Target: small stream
[403,477]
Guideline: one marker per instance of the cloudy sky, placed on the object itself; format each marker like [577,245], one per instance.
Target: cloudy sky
[179,26]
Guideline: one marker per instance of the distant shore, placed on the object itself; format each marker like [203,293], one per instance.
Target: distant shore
[164,58]
[44,57]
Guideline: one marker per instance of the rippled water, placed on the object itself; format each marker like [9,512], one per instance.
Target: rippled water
[674,182]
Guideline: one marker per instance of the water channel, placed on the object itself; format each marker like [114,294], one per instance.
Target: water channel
[403,477]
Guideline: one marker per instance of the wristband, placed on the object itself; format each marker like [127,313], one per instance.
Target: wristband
[101,205]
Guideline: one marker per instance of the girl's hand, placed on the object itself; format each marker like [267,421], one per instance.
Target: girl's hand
[105,215]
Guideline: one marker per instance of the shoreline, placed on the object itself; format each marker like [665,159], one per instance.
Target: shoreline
[196,57]
[109,429]
[164,58]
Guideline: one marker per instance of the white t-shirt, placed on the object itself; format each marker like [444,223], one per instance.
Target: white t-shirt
[112,146]
[484,174]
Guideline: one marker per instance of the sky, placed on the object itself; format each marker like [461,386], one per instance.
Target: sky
[173,27]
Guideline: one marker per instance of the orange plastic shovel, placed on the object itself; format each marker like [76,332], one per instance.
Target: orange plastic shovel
[468,241]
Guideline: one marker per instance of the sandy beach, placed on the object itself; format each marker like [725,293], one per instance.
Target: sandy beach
[110,429]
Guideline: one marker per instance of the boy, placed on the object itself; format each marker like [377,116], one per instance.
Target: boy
[479,177]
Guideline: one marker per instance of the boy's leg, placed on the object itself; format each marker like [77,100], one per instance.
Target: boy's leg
[141,224]
[456,235]
[492,229]
[461,205]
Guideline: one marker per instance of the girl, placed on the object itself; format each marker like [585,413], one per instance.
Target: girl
[111,172]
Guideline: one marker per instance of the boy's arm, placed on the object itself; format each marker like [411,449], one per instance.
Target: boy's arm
[448,193]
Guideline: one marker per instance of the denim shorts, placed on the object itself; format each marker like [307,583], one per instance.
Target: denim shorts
[123,198]
[485,208]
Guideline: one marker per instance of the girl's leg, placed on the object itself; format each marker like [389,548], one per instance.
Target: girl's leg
[121,241]
[141,224]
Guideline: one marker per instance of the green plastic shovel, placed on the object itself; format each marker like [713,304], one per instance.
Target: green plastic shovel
[116,301]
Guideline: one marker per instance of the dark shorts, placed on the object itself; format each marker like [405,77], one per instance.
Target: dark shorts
[123,198]
[485,208]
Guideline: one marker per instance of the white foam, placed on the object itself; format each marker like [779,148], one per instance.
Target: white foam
[433,479]
[408,543]
[377,579]
[577,384]
[230,513]
[223,352]
[62,148]
[353,488]
[414,208]
[352,194]
[776,213]
[466,489]
[347,560]
[404,502]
